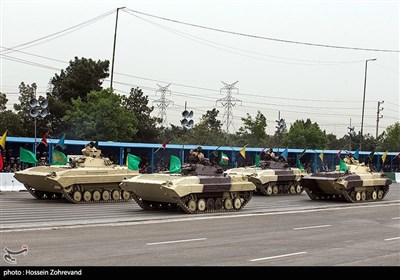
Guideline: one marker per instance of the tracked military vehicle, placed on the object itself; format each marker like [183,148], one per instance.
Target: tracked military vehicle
[357,184]
[199,188]
[89,178]
[272,177]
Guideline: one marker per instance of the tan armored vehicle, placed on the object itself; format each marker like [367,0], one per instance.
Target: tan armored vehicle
[86,179]
[357,184]
[272,177]
[197,189]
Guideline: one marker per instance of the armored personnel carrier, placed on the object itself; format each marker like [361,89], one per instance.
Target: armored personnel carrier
[357,184]
[272,177]
[89,178]
[199,188]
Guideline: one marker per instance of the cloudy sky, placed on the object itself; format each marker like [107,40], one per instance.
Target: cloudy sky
[302,59]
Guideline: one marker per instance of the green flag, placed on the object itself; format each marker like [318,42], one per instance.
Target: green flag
[342,165]
[132,162]
[257,160]
[298,164]
[175,165]
[59,158]
[224,159]
[27,156]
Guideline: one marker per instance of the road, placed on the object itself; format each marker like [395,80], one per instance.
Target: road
[269,231]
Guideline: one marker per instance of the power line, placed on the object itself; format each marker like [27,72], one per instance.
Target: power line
[208,43]
[262,37]
[57,34]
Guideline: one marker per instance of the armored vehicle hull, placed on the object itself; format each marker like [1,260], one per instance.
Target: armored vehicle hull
[358,184]
[199,189]
[272,178]
[87,179]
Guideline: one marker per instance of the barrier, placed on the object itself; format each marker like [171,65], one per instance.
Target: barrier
[394,176]
[9,184]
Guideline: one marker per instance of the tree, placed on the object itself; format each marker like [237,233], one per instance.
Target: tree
[27,92]
[332,143]
[253,131]
[391,138]
[305,134]
[3,102]
[102,116]
[77,80]
[137,104]
[209,130]
[10,121]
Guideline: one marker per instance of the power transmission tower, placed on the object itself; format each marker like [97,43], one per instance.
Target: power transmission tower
[228,102]
[162,104]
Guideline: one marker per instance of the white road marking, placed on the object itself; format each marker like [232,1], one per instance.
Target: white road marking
[395,218]
[118,223]
[390,239]
[275,257]
[176,241]
[321,226]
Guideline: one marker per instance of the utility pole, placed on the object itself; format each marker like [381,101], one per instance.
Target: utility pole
[115,42]
[363,105]
[228,102]
[378,116]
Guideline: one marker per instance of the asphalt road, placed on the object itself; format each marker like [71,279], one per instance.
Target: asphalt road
[269,231]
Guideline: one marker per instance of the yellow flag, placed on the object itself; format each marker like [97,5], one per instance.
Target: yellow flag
[243,151]
[384,156]
[321,155]
[3,140]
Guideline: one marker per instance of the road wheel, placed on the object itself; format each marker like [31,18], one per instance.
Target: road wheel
[105,195]
[299,189]
[268,189]
[96,195]
[201,205]
[380,194]
[363,195]
[237,203]
[77,196]
[126,195]
[87,196]
[358,196]
[192,205]
[210,204]
[115,195]
[292,189]
[275,190]
[374,195]
[228,203]
[218,203]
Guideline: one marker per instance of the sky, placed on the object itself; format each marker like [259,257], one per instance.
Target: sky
[295,59]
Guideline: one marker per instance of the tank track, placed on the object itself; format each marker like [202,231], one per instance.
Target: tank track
[283,189]
[152,205]
[42,195]
[67,196]
[358,197]
[351,195]
[246,198]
